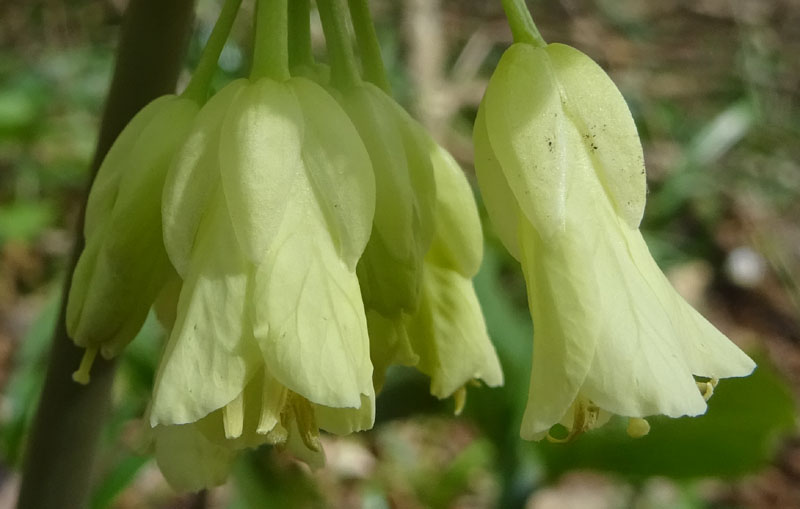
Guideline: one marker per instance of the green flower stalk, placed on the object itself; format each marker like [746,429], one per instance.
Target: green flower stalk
[124,265]
[561,170]
[267,209]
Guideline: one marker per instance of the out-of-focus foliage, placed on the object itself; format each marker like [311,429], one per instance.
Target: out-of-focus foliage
[713,88]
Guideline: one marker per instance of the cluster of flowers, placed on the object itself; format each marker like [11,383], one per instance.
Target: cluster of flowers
[298,233]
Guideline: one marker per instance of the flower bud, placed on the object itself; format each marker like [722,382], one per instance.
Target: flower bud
[124,264]
[390,269]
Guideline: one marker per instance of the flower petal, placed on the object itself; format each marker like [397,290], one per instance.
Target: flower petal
[405,200]
[458,241]
[188,460]
[104,187]
[706,350]
[449,334]
[338,169]
[595,106]
[525,121]
[260,157]
[562,303]
[388,345]
[343,421]
[125,263]
[309,318]
[498,199]
[194,177]
[211,354]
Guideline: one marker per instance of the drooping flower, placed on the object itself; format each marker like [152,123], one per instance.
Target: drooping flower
[266,211]
[426,243]
[124,264]
[390,271]
[561,170]
[446,337]
[447,332]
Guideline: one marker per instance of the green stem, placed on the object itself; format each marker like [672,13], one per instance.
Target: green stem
[372,63]
[201,79]
[300,52]
[522,26]
[344,69]
[65,432]
[271,46]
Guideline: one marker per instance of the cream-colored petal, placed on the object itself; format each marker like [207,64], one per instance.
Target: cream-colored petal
[566,326]
[497,196]
[338,168]
[188,460]
[458,239]
[525,123]
[449,334]
[597,109]
[211,354]
[405,200]
[637,333]
[309,319]
[194,177]
[706,350]
[260,157]
[343,421]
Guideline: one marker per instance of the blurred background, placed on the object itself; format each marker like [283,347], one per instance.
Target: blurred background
[714,86]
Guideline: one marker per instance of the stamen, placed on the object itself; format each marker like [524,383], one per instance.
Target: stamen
[273,404]
[277,435]
[306,421]
[638,427]
[82,374]
[707,388]
[460,399]
[584,418]
[233,417]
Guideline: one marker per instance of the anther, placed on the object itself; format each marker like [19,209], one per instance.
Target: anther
[82,374]
[707,388]
[233,417]
[638,427]
[460,399]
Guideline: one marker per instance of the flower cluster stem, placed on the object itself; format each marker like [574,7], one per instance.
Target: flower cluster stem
[271,46]
[65,432]
[374,70]
[197,89]
[522,26]
[344,69]
[300,52]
